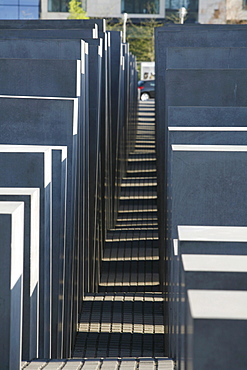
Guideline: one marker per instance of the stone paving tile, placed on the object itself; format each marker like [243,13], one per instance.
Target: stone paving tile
[147,364]
[101,363]
[110,364]
[73,365]
[35,365]
[92,365]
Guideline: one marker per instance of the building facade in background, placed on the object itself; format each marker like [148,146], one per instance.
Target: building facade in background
[54,9]
[191,6]
[202,11]
[57,9]
[222,11]
[19,9]
[134,8]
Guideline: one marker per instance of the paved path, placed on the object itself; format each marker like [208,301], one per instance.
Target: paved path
[121,327]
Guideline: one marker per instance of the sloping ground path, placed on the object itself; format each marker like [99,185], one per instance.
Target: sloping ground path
[121,327]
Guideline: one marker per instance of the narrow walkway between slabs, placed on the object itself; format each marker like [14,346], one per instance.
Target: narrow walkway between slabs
[121,327]
[124,321]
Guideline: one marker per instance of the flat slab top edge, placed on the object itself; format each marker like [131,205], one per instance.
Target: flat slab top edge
[10,207]
[212,233]
[36,97]
[208,129]
[209,148]
[218,304]
[19,191]
[214,263]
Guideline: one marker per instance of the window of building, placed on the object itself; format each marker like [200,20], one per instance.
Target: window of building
[140,6]
[58,5]
[177,4]
[19,9]
[244,4]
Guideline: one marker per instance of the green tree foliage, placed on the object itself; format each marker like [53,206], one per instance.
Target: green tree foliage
[140,37]
[76,11]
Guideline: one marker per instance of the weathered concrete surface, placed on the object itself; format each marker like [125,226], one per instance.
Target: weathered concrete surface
[31,167]
[11,272]
[31,200]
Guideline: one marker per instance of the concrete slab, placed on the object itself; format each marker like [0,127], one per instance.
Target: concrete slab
[203,240]
[115,51]
[31,199]
[53,24]
[93,136]
[214,192]
[203,191]
[216,272]
[221,87]
[68,49]
[220,316]
[213,173]
[198,36]
[48,33]
[46,78]
[207,136]
[207,116]
[11,271]
[206,57]
[42,48]
[58,125]
[58,224]
[30,167]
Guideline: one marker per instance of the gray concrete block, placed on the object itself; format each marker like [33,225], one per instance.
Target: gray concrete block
[216,272]
[21,122]
[11,271]
[204,180]
[53,24]
[59,226]
[198,36]
[203,240]
[68,49]
[51,78]
[72,49]
[210,37]
[221,316]
[206,136]
[196,239]
[224,87]
[59,80]
[207,116]
[46,78]
[115,50]
[41,49]
[32,167]
[206,57]
[93,137]
[202,183]
[31,199]
[48,33]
